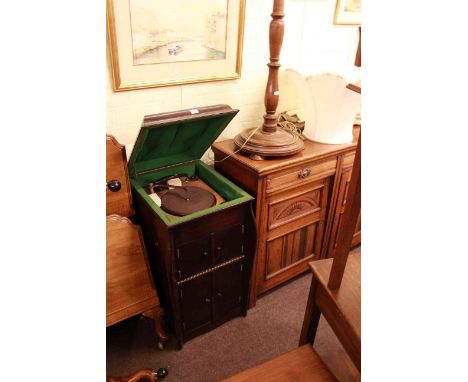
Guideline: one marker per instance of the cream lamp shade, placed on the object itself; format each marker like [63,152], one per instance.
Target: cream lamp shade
[329,107]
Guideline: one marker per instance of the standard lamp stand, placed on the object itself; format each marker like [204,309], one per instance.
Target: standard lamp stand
[269,141]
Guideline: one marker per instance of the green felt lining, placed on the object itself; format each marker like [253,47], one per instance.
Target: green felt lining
[228,190]
[176,142]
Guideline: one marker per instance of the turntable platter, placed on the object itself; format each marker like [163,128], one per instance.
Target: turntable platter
[186,200]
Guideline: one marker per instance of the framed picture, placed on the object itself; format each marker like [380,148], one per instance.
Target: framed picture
[161,43]
[347,12]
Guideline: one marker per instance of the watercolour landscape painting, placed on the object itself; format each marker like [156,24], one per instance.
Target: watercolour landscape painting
[348,12]
[178,30]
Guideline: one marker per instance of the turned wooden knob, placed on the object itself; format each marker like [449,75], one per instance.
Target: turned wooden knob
[114,185]
[162,373]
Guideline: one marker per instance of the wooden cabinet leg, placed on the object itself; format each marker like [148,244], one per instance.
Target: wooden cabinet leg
[158,316]
[311,317]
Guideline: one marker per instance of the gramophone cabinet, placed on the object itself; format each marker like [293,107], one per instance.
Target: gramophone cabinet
[201,262]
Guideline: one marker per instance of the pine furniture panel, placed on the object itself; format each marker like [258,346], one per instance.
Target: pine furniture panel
[129,284]
[297,200]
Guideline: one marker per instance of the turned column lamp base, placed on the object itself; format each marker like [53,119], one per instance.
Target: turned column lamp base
[269,141]
[263,144]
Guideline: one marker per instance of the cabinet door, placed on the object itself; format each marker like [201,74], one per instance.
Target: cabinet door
[338,214]
[227,289]
[195,302]
[228,244]
[295,227]
[193,257]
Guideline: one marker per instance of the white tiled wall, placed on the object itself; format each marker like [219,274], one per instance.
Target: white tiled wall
[311,44]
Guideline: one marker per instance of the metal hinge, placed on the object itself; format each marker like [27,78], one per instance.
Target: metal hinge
[178,253]
[242,248]
[242,267]
[181,293]
[243,228]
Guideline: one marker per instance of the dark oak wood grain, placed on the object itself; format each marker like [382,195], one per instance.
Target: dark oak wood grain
[201,264]
[190,262]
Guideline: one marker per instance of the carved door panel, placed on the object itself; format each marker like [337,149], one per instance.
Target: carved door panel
[195,301]
[295,225]
[291,248]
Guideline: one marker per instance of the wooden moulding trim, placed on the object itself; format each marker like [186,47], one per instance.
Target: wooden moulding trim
[151,300]
[113,51]
[292,218]
[296,194]
[110,138]
[114,141]
[306,224]
[216,267]
[138,308]
[123,219]
[303,260]
[322,175]
[284,166]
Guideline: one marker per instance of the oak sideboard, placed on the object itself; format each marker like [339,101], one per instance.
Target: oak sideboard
[299,203]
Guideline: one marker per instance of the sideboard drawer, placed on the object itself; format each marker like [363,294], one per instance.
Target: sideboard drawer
[302,174]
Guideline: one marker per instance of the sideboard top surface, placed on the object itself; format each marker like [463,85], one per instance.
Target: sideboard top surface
[312,151]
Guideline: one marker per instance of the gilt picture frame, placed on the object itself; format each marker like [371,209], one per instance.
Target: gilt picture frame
[347,12]
[155,43]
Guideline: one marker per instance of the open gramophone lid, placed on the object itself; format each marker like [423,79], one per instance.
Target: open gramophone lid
[187,200]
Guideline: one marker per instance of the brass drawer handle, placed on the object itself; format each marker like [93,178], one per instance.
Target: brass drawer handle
[304,173]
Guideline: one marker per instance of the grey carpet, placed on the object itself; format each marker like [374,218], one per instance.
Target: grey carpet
[270,329]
